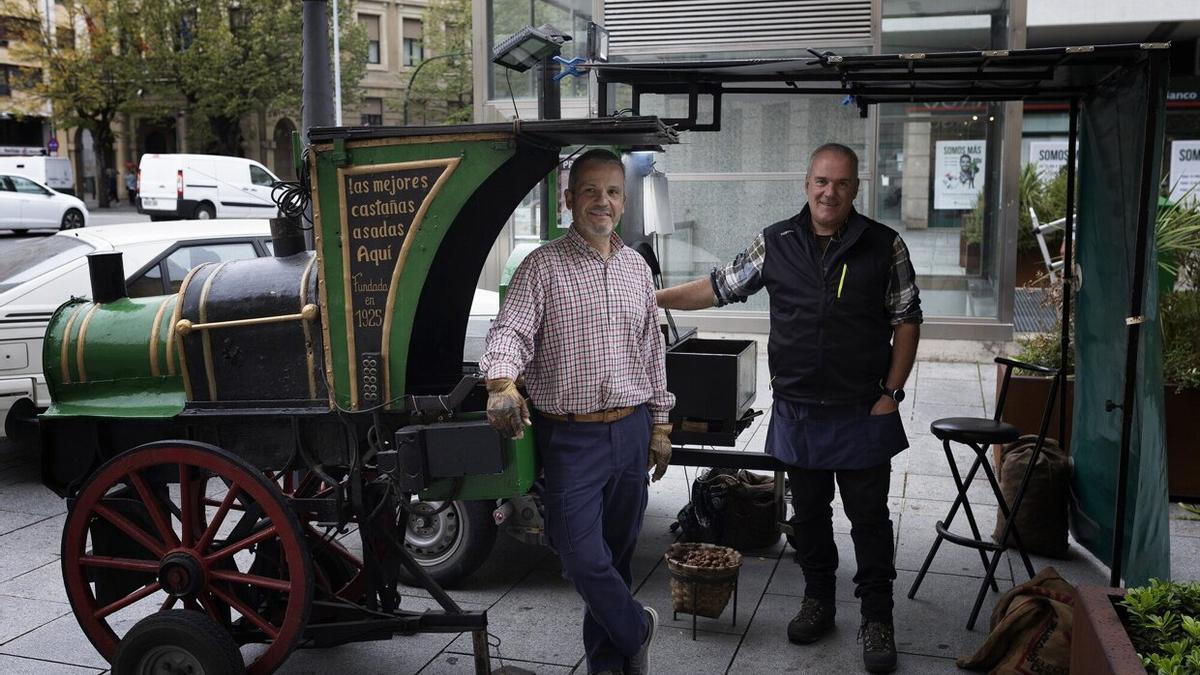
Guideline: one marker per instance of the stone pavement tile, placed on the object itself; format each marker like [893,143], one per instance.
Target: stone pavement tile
[43,583]
[672,492]
[752,579]
[947,371]
[924,415]
[30,547]
[765,648]
[401,654]
[1183,523]
[928,459]
[448,663]
[30,496]
[935,622]
[18,616]
[943,488]
[13,520]
[675,652]
[656,537]
[917,535]
[1185,559]
[23,666]
[60,640]
[539,620]
[1080,567]
[937,391]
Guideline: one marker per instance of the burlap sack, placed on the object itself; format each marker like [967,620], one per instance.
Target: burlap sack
[1042,520]
[1030,630]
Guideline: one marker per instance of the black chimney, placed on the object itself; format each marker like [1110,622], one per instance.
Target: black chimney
[287,237]
[108,276]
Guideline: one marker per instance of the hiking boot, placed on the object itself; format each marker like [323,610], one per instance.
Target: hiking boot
[814,619]
[639,663]
[879,646]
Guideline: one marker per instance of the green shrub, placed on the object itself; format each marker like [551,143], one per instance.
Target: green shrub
[1163,622]
[1180,314]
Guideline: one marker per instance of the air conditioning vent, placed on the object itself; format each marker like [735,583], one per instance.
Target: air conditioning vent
[648,26]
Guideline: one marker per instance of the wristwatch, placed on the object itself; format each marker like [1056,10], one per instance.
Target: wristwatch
[896,395]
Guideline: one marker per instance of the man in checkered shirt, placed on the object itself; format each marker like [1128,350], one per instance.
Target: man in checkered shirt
[845,321]
[580,322]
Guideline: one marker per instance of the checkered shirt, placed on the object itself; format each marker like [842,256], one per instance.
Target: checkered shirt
[742,278]
[583,330]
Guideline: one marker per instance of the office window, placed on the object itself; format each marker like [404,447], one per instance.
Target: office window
[370,23]
[414,43]
[372,115]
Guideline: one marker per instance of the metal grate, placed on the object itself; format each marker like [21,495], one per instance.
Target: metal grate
[1030,315]
[646,26]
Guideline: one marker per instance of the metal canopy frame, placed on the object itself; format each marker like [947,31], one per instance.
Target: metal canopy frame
[1054,73]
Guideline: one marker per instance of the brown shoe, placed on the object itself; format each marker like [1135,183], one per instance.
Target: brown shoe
[879,646]
[814,620]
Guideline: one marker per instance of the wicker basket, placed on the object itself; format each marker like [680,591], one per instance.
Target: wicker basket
[703,591]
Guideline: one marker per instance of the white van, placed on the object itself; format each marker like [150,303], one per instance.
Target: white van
[204,186]
[53,172]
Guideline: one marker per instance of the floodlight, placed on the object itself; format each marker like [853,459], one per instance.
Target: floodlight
[528,46]
[597,48]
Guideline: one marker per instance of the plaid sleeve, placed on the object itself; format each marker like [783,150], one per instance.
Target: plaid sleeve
[741,278]
[903,299]
[511,340]
[654,357]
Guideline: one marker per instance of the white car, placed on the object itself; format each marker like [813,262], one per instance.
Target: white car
[26,204]
[39,275]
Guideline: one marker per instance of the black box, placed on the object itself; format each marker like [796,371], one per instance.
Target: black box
[426,453]
[714,383]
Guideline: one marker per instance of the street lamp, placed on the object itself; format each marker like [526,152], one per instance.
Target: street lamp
[413,78]
[528,47]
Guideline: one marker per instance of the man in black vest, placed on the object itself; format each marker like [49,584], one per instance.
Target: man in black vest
[845,321]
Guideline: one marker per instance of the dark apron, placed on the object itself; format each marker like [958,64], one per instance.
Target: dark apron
[833,436]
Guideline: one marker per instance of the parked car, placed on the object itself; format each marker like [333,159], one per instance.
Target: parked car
[177,186]
[26,204]
[53,172]
[38,275]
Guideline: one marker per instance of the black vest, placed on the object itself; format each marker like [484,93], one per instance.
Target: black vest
[830,329]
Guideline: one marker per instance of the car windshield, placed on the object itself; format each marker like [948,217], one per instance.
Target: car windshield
[34,257]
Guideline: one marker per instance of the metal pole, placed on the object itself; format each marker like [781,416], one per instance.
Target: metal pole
[1149,179]
[549,108]
[1068,266]
[316,109]
[337,68]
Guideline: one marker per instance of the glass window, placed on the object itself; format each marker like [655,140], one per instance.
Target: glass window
[372,114]
[414,45]
[21,184]
[259,176]
[185,258]
[148,284]
[506,17]
[33,257]
[370,23]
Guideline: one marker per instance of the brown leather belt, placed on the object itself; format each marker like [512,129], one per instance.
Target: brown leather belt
[607,416]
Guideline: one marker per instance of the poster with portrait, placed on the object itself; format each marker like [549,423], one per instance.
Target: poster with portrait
[1185,171]
[958,174]
[1049,157]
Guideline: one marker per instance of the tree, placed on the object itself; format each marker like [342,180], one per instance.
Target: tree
[231,59]
[92,66]
[442,89]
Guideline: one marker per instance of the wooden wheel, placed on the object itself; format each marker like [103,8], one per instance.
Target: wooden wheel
[142,537]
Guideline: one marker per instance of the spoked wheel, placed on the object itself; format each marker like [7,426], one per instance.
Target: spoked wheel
[142,537]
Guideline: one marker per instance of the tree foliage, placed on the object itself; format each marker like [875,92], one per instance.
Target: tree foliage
[90,65]
[442,90]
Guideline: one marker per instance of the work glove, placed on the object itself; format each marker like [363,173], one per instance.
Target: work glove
[660,450]
[506,409]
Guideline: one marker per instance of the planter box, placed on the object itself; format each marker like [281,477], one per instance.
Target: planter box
[1099,643]
[1027,396]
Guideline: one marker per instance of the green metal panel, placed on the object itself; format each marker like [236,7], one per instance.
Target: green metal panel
[477,160]
[99,360]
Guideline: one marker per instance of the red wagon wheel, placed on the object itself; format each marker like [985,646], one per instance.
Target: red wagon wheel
[140,538]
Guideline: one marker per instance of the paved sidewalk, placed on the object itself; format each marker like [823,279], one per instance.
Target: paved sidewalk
[535,615]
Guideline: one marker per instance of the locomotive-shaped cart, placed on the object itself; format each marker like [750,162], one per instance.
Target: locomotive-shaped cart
[213,444]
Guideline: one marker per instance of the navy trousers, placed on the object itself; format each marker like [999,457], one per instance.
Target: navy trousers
[595,498]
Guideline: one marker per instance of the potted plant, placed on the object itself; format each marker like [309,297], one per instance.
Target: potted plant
[1047,198]
[1155,628]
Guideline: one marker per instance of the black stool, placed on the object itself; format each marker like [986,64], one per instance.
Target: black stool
[979,433]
